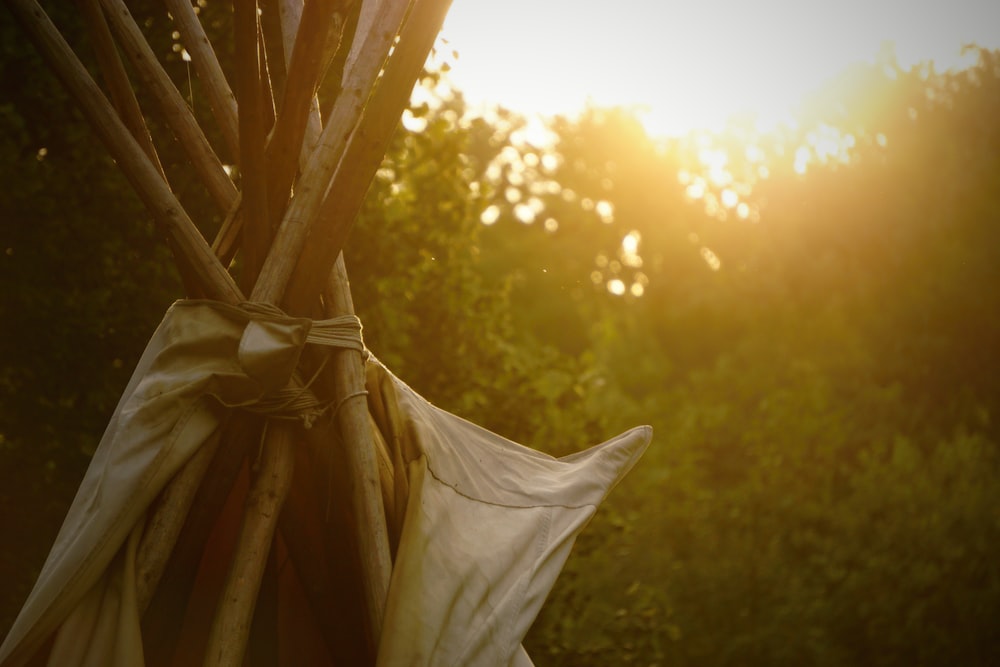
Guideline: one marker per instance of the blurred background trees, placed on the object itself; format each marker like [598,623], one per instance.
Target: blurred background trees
[810,319]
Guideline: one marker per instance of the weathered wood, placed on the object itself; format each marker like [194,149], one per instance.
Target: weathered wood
[368,56]
[378,24]
[160,628]
[268,110]
[160,533]
[203,158]
[227,239]
[227,642]
[270,26]
[362,464]
[304,70]
[228,639]
[365,492]
[256,220]
[125,103]
[141,173]
[116,79]
[290,16]
[206,65]
[298,117]
[368,144]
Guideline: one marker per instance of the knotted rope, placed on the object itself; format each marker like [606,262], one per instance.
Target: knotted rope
[296,400]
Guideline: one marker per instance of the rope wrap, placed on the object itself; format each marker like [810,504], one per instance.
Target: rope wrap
[296,401]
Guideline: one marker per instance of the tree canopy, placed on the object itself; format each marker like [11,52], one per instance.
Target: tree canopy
[808,318]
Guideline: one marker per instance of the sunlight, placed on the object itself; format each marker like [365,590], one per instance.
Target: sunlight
[490,215]
[616,286]
[711,258]
[605,211]
[693,65]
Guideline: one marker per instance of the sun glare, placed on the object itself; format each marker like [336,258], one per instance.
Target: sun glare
[693,65]
[725,80]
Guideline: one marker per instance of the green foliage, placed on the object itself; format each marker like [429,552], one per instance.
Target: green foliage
[821,371]
[84,279]
[822,488]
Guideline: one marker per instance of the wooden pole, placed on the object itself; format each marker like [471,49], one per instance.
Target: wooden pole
[177,575]
[368,144]
[304,70]
[160,534]
[204,160]
[141,173]
[117,80]
[298,116]
[256,222]
[372,535]
[127,106]
[379,24]
[206,64]
[229,631]
[231,626]
[362,70]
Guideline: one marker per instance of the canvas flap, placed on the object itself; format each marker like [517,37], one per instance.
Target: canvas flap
[488,526]
[484,525]
[163,417]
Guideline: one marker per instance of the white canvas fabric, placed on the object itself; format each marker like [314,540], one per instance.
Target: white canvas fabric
[488,523]
[488,526]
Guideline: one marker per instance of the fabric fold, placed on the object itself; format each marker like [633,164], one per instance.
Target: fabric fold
[488,526]
[165,414]
[481,525]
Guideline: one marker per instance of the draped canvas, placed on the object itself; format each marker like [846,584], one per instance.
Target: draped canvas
[486,528]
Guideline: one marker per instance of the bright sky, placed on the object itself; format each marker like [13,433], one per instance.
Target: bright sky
[692,63]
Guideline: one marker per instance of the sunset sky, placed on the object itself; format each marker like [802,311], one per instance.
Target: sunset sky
[691,64]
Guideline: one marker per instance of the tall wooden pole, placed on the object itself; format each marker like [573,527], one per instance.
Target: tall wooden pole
[379,23]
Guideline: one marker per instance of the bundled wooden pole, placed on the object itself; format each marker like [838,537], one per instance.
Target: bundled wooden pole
[349,125]
[206,64]
[133,161]
[178,115]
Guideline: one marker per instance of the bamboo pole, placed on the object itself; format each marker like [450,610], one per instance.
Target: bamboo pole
[206,65]
[204,160]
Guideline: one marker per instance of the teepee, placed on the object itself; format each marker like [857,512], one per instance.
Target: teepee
[266,491]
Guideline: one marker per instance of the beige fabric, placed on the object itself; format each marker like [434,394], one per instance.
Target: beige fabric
[163,417]
[487,526]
